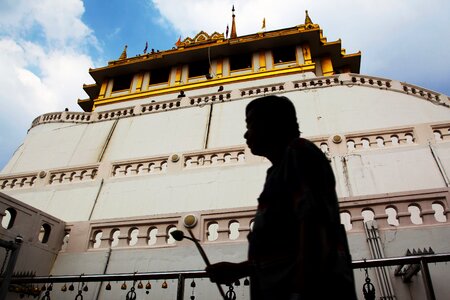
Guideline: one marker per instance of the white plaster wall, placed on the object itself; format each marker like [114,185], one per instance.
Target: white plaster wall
[57,145]
[333,110]
[189,190]
[227,124]
[82,263]
[345,109]
[443,156]
[158,134]
[66,202]
[387,171]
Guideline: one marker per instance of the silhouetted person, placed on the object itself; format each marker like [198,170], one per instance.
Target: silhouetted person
[297,247]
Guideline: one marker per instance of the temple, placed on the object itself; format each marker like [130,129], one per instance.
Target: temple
[88,201]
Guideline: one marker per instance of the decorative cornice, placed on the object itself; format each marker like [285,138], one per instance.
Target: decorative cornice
[233,225]
[201,38]
[338,144]
[347,79]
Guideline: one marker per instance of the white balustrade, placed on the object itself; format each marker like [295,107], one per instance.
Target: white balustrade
[214,157]
[18,181]
[140,167]
[380,139]
[399,210]
[73,175]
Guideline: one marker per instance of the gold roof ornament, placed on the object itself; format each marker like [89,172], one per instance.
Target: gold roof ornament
[309,24]
[233,34]
[124,53]
[201,38]
[178,43]
[308,19]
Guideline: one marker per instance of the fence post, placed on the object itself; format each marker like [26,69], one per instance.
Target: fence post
[427,280]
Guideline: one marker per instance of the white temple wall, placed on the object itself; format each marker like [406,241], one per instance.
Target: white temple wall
[388,171]
[67,202]
[156,134]
[228,124]
[188,190]
[69,144]
[443,158]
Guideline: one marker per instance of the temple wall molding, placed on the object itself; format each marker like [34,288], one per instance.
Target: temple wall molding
[339,144]
[392,211]
[347,79]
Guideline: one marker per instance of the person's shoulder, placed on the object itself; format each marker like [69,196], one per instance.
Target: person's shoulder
[306,149]
[303,144]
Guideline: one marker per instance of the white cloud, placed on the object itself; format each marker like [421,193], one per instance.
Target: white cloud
[61,20]
[404,39]
[44,63]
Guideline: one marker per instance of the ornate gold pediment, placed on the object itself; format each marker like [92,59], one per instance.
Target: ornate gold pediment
[201,38]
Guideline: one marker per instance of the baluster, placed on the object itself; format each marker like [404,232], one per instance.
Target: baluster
[141,237]
[223,231]
[427,213]
[123,237]
[403,214]
[380,216]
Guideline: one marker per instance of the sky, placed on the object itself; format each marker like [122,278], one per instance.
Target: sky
[48,46]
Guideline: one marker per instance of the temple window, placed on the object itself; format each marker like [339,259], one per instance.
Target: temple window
[284,54]
[198,68]
[240,62]
[158,76]
[44,233]
[8,218]
[122,82]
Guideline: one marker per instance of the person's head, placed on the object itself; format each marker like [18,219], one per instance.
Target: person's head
[271,124]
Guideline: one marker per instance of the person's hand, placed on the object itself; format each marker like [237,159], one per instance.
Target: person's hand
[227,272]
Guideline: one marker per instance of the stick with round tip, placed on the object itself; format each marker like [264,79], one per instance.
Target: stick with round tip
[178,235]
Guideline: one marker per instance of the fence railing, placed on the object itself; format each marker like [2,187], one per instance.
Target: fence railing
[181,276]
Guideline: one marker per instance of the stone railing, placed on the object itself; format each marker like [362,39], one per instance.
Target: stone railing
[316,82]
[262,90]
[441,132]
[425,207]
[333,145]
[381,139]
[151,165]
[347,79]
[214,157]
[143,232]
[115,113]
[423,93]
[160,106]
[18,181]
[396,210]
[78,116]
[69,175]
[210,98]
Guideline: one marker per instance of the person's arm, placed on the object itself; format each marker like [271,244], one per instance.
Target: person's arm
[227,272]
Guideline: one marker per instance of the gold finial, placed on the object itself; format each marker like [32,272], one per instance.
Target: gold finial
[124,53]
[233,26]
[178,43]
[308,19]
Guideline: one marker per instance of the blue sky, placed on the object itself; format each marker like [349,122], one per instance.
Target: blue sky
[47,46]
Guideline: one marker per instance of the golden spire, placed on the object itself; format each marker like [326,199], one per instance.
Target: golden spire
[233,27]
[124,53]
[308,19]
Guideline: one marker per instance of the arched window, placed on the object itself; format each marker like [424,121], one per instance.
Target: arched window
[9,218]
[44,233]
